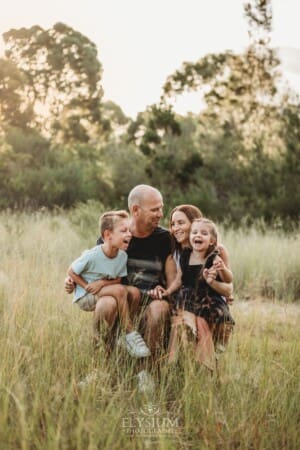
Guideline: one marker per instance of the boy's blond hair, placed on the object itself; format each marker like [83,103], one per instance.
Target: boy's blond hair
[109,219]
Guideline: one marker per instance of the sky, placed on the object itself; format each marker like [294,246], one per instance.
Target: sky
[141,42]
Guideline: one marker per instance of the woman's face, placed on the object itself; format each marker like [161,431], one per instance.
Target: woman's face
[180,228]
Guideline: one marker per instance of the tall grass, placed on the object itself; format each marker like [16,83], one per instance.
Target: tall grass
[45,350]
[265,263]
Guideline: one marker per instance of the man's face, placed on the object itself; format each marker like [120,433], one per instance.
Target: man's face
[150,211]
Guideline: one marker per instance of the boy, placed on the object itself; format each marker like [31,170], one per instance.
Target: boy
[97,274]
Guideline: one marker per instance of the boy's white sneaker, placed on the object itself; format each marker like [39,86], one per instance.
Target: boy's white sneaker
[135,345]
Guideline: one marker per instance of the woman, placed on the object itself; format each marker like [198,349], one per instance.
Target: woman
[181,218]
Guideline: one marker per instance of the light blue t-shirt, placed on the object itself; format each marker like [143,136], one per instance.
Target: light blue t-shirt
[94,265]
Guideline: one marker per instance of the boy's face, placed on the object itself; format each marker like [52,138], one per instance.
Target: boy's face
[121,235]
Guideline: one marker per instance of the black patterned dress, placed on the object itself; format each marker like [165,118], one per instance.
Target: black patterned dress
[198,297]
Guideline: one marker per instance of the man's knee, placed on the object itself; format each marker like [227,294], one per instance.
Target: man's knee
[158,311]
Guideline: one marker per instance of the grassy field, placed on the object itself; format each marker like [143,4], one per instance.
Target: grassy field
[45,347]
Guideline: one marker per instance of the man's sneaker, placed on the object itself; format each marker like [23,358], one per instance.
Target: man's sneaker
[135,345]
[146,383]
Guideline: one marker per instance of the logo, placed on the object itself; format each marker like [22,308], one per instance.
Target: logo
[149,421]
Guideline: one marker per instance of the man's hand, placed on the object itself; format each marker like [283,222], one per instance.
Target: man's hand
[157,293]
[69,285]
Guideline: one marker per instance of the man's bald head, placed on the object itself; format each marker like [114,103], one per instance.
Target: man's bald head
[139,194]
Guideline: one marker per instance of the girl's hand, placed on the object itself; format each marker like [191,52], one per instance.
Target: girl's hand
[218,263]
[209,275]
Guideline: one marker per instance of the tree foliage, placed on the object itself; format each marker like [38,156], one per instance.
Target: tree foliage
[60,144]
[62,75]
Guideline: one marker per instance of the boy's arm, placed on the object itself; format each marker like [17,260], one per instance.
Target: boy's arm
[95,286]
[77,278]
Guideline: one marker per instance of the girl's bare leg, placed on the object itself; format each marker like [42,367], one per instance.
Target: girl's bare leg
[205,347]
[134,299]
[176,321]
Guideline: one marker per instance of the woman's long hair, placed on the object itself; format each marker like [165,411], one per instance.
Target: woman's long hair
[192,213]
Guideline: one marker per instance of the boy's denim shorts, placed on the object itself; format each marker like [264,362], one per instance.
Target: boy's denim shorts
[87,302]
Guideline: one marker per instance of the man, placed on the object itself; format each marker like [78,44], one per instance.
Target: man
[147,267]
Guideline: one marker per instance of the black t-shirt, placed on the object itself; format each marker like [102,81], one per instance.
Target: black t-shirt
[146,259]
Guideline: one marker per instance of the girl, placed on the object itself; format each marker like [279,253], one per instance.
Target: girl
[199,302]
[181,218]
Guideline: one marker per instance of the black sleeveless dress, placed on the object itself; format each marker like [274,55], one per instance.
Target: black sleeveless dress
[198,297]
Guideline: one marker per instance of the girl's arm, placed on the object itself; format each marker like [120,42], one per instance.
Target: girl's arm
[221,264]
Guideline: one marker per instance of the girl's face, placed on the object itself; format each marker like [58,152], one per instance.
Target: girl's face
[180,228]
[200,236]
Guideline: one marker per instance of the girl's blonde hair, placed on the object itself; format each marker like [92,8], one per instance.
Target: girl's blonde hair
[109,219]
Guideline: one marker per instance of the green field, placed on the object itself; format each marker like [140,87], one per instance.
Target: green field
[253,402]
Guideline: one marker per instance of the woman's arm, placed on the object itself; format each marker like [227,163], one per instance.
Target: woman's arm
[175,284]
[173,280]
[222,288]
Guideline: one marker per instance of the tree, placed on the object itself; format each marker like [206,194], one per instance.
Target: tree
[62,77]
[15,109]
[239,89]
